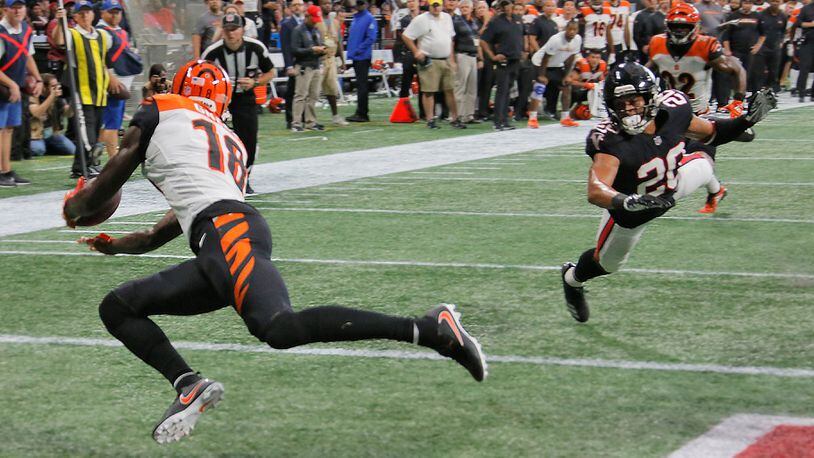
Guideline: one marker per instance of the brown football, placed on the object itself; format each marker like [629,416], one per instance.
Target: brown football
[104,212]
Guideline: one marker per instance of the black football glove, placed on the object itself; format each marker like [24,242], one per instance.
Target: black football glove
[760,104]
[636,203]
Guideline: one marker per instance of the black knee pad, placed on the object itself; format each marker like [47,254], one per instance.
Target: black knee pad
[113,311]
[284,330]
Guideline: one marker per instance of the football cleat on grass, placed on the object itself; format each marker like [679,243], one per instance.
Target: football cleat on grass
[712,201]
[532,123]
[179,420]
[454,342]
[575,297]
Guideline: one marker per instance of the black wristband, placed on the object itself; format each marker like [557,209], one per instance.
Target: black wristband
[618,201]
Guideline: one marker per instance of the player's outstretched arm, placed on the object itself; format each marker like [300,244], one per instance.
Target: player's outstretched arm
[88,199]
[722,131]
[137,242]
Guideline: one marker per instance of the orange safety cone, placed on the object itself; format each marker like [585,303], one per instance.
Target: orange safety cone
[403,111]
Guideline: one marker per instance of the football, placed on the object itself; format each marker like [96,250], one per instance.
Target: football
[104,212]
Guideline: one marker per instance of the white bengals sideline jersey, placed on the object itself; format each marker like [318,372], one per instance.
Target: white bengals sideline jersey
[189,155]
[690,73]
[596,27]
[619,17]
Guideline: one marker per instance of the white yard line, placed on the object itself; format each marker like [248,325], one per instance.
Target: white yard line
[129,223]
[580,181]
[443,173]
[278,201]
[524,214]
[65,167]
[306,138]
[425,355]
[463,167]
[91,231]
[366,131]
[453,265]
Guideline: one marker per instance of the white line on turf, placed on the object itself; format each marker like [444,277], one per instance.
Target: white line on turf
[56,167]
[367,131]
[90,231]
[443,173]
[306,138]
[279,201]
[563,180]
[720,157]
[452,265]
[133,223]
[421,355]
[524,214]
[471,168]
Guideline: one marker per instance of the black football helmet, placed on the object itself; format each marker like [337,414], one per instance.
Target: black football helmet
[623,81]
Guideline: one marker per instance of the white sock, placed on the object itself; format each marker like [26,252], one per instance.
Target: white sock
[415,334]
[571,280]
[713,185]
[565,115]
[533,115]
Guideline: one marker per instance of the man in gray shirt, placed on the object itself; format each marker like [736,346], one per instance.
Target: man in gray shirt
[205,27]
[712,15]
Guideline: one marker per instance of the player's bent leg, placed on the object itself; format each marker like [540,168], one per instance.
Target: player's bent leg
[696,171]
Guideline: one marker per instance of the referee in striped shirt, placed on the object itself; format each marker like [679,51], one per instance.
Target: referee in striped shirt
[248,63]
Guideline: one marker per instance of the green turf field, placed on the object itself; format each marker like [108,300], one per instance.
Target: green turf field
[487,235]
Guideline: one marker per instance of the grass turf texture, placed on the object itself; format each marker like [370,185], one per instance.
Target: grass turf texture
[105,401]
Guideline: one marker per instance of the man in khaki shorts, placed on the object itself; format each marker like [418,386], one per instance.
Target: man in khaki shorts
[433,31]
[329,29]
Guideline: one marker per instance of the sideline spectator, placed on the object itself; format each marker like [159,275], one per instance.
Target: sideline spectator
[248,64]
[56,52]
[249,27]
[47,114]
[772,28]
[329,29]
[308,49]
[161,18]
[38,18]
[113,114]
[526,73]
[206,27]
[503,43]
[286,29]
[645,28]
[486,73]
[361,37]
[429,37]
[805,21]
[543,27]
[16,59]
[93,78]
[469,57]
[556,61]
[157,82]
[405,56]
[740,37]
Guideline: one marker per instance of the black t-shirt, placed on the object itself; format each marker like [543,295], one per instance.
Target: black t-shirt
[743,34]
[653,157]
[542,29]
[505,35]
[806,15]
[773,27]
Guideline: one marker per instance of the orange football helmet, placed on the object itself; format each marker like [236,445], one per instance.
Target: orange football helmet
[204,82]
[683,23]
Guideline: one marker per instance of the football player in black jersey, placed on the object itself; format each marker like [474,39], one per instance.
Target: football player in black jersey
[649,153]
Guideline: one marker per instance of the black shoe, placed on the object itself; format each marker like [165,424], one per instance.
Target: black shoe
[297,129]
[7,181]
[179,420]
[801,100]
[454,342]
[249,190]
[457,124]
[507,126]
[287,125]
[316,127]
[18,180]
[575,297]
[432,125]
[357,118]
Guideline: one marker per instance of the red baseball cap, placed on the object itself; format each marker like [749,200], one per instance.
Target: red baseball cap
[315,12]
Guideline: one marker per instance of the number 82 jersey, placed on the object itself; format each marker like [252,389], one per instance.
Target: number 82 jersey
[190,155]
[687,68]
[647,163]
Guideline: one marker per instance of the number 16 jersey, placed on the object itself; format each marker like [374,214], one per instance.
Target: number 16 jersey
[190,155]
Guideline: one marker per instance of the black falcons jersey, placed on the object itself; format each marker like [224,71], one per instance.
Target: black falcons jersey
[647,163]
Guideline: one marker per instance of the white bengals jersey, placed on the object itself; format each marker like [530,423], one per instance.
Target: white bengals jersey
[619,17]
[596,27]
[189,155]
[689,72]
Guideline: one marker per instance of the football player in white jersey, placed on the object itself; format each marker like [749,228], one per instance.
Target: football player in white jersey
[596,20]
[619,28]
[189,154]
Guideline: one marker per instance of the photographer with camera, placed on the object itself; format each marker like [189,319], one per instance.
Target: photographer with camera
[248,63]
[157,83]
[47,114]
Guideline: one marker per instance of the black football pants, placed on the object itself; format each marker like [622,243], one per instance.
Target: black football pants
[232,267]
[244,122]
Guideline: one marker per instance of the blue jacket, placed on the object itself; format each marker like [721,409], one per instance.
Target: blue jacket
[286,28]
[362,35]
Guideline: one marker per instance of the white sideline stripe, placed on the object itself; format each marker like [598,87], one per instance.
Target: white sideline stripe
[471,168]
[306,138]
[462,265]
[445,173]
[421,355]
[734,435]
[320,194]
[366,131]
[135,223]
[57,167]
[523,214]
[348,188]
[580,181]
[280,201]
[89,231]
[721,157]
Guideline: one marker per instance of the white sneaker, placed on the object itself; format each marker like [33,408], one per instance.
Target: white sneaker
[339,121]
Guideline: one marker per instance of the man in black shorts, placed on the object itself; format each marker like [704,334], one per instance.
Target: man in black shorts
[197,163]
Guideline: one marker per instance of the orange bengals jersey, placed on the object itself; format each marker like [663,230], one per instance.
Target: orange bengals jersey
[691,72]
[190,155]
[596,27]
[588,74]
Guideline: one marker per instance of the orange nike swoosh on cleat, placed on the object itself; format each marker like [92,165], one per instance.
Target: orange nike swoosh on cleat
[191,395]
[446,316]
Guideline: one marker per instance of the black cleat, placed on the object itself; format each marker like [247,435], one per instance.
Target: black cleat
[454,342]
[575,297]
[179,420]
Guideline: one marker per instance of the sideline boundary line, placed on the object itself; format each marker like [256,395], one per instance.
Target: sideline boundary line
[423,355]
[463,265]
